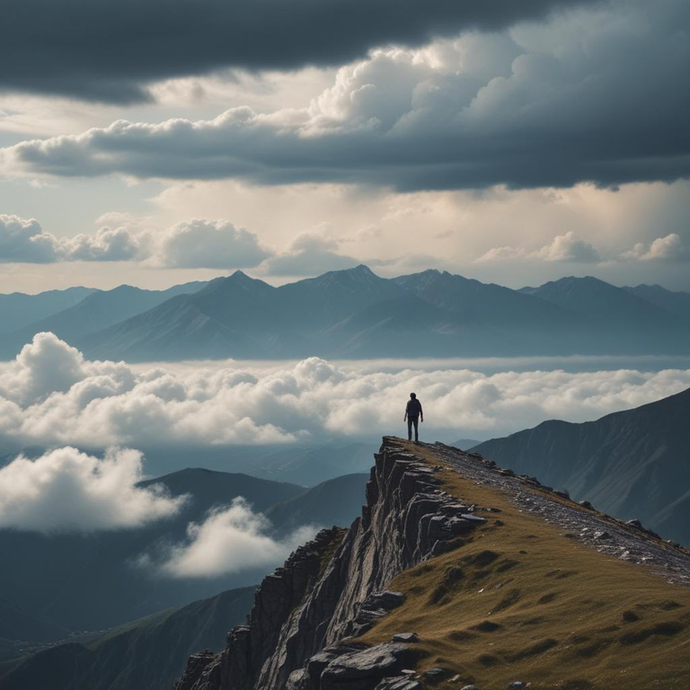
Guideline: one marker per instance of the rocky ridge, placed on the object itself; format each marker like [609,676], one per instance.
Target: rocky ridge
[305,611]
[301,633]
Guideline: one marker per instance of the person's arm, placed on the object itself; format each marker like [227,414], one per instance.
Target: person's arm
[421,413]
[407,407]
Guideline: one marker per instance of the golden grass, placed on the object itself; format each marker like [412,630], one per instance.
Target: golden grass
[521,601]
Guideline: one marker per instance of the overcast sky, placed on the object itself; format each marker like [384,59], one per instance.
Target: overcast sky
[155,142]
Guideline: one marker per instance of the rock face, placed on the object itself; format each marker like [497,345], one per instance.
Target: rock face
[334,588]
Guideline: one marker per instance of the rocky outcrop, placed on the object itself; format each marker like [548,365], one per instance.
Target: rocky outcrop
[334,588]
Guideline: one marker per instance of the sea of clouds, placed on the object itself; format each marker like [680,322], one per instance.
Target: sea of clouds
[52,397]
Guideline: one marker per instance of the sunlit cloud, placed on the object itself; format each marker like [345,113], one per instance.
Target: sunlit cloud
[51,395]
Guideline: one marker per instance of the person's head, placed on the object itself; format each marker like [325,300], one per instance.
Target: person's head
[413,395]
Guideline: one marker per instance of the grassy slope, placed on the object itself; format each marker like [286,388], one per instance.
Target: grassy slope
[521,601]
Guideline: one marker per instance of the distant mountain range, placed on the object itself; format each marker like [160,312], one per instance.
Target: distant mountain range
[18,310]
[632,464]
[146,653]
[356,314]
[75,582]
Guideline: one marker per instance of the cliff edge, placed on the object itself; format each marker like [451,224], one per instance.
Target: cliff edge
[460,573]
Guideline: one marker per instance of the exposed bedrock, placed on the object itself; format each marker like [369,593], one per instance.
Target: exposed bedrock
[334,589]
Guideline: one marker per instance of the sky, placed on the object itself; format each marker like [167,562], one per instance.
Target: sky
[155,142]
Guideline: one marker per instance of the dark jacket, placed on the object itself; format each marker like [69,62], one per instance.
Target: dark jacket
[414,408]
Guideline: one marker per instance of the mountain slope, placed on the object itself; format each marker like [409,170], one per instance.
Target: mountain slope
[677,303]
[145,654]
[17,624]
[95,312]
[18,309]
[632,464]
[486,302]
[598,301]
[505,583]
[317,303]
[333,502]
[176,329]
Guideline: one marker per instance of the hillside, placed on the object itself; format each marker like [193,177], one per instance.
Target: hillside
[632,464]
[458,573]
[333,502]
[145,654]
[92,581]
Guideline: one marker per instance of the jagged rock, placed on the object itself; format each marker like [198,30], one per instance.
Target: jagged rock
[297,680]
[634,523]
[406,637]
[363,670]
[562,493]
[586,504]
[318,663]
[399,683]
[305,610]
[196,665]
[470,687]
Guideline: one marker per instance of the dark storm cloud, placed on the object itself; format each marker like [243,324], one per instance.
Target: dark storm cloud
[600,97]
[108,50]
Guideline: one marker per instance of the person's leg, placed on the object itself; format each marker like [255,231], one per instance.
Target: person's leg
[416,429]
[409,428]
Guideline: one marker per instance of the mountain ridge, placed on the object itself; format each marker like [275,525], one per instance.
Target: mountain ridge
[632,463]
[504,582]
[355,313]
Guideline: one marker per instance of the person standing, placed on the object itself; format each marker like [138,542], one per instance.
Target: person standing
[413,415]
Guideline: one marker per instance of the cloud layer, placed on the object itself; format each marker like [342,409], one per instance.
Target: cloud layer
[104,51]
[591,95]
[50,395]
[65,490]
[229,540]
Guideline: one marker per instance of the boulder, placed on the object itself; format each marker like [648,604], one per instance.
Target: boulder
[406,637]
[365,669]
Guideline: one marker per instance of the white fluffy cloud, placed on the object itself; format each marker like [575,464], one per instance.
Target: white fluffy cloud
[200,243]
[229,540]
[567,248]
[669,248]
[50,395]
[23,240]
[65,490]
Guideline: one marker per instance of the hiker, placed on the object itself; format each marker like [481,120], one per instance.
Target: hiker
[413,415]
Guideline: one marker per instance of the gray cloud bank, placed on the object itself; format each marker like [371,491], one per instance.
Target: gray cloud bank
[108,51]
[595,95]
